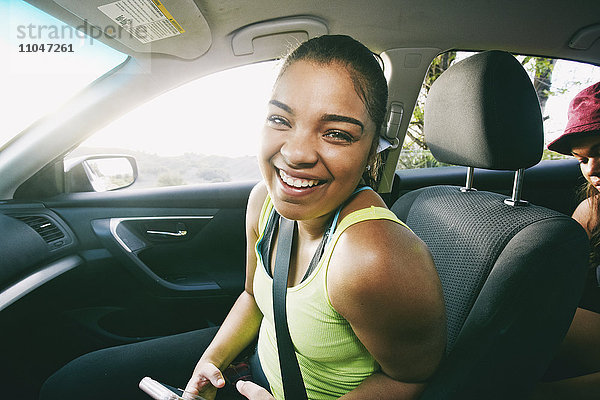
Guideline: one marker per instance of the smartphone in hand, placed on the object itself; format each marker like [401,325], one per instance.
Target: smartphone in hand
[160,391]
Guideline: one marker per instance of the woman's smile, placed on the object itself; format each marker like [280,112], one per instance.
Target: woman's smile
[297,181]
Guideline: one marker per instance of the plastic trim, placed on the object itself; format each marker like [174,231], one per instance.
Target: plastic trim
[37,279]
[241,43]
[585,37]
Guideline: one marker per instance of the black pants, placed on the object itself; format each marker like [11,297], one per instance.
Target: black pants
[114,373]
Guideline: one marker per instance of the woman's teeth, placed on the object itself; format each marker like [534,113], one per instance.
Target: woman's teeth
[296,182]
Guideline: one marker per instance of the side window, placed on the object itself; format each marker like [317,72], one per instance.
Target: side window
[204,131]
[556,82]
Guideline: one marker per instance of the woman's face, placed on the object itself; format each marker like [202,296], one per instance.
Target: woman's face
[587,151]
[316,140]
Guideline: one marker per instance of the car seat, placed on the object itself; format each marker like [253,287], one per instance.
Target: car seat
[512,273]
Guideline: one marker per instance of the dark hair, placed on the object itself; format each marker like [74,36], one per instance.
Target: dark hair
[590,193]
[365,70]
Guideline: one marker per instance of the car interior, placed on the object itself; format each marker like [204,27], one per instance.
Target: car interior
[89,259]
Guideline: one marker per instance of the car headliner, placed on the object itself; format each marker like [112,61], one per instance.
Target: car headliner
[395,28]
[526,27]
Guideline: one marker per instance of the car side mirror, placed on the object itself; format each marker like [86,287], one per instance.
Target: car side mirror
[99,173]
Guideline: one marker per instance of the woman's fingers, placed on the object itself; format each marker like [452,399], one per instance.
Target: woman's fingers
[214,375]
[252,391]
[193,388]
[207,378]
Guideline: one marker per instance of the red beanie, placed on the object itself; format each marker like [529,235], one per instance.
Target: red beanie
[584,118]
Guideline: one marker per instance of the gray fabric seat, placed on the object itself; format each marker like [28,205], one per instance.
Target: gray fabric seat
[512,275]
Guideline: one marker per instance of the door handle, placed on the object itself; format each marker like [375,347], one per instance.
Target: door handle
[179,233]
[179,230]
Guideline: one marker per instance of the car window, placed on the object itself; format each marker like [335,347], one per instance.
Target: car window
[202,132]
[47,63]
[556,82]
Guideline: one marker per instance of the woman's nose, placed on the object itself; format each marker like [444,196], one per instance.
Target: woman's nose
[594,166]
[300,149]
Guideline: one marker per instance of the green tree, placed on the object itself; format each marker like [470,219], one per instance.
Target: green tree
[170,179]
[214,175]
[540,70]
[415,153]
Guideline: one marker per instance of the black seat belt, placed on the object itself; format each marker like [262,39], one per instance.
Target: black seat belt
[293,385]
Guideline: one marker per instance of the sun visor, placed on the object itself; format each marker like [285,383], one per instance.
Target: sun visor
[170,27]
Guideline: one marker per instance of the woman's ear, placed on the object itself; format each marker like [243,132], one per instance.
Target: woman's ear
[374,162]
[373,151]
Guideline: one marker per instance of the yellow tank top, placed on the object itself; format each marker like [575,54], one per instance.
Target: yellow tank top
[332,360]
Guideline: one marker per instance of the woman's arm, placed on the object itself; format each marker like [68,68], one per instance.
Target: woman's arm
[377,386]
[242,323]
[578,360]
[586,387]
[383,281]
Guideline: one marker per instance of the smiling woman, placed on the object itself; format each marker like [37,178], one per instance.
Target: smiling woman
[349,258]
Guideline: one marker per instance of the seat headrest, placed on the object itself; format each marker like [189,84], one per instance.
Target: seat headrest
[483,112]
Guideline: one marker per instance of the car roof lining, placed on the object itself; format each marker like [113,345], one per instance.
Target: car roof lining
[394,24]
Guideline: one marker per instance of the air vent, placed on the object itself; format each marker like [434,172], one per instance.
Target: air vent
[44,226]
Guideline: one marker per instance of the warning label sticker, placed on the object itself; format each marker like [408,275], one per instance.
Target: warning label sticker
[146,20]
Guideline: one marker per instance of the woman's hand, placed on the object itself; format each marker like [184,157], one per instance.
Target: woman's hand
[205,381]
[252,391]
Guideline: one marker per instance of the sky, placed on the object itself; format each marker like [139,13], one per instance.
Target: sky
[219,114]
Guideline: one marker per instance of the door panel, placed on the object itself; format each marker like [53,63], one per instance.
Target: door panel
[151,263]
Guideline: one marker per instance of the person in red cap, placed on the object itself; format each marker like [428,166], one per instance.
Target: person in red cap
[581,139]
[575,372]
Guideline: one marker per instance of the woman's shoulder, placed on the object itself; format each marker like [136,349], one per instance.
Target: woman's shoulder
[361,229]
[586,213]
[380,271]
[363,199]
[256,201]
[257,196]
[382,243]
[373,251]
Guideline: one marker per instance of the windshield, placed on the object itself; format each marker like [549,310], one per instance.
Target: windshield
[44,63]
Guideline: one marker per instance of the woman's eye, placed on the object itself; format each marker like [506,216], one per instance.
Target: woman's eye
[277,121]
[582,160]
[339,136]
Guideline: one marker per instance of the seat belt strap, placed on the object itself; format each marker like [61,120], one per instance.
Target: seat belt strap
[293,385]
